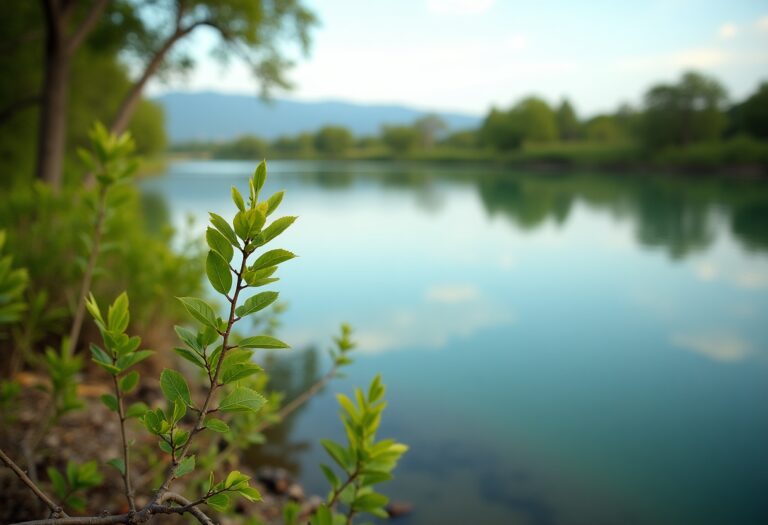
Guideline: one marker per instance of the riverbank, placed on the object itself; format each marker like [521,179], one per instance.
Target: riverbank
[739,157]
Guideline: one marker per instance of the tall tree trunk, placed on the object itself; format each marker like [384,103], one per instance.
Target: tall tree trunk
[53,114]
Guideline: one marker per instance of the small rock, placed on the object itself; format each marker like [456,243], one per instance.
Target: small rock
[295,492]
[397,509]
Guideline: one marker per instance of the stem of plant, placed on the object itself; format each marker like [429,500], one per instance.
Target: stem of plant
[126,452]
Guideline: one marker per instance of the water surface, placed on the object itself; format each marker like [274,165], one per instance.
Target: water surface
[576,348]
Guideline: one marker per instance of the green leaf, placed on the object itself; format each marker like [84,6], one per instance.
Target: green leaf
[219,243]
[189,338]
[276,228]
[260,175]
[337,452]
[218,502]
[58,481]
[118,463]
[239,371]
[250,493]
[242,399]
[201,311]
[136,410]
[190,356]
[129,382]
[117,317]
[255,303]
[262,341]
[131,359]
[370,502]
[323,516]
[186,466]
[174,386]
[179,411]
[274,201]
[217,425]
[238,199]
[110,401]
[330,475]
[218,272]
[272,258]
[224,228]
[234,479]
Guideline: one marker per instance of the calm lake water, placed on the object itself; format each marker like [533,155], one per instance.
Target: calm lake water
[573,349]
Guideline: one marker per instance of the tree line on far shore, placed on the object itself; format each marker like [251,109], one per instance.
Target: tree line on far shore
[692,115]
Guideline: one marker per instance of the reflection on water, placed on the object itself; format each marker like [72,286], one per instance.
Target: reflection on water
[576,348]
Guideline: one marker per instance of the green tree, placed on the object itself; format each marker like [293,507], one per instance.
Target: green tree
[148,33]
[603,128]
[333,140]
[400,139]
[245,147]
[567,122]
[531,119]
[679,114]
[751,116]
[429,127]
[500,131]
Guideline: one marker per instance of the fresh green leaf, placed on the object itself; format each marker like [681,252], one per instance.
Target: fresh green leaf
[201,311]
[118,463]
[242,399]
[131,359]
[238,199]
[117,317]
[136,410]
[274,201]
[249,493]
[174,386]
[337,452]
[218,272]
[190,356]
[217,425]
[238,371]
[224,228]
[186,466]
[272,258]
[110,402]
[218,502]
[262,341]
[277,227]
[256,303]
[129,382]
[330,475]
[219,243]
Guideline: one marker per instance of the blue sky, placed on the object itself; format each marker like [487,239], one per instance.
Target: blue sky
[468,55]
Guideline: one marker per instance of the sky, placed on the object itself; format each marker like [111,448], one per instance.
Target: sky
[470,55]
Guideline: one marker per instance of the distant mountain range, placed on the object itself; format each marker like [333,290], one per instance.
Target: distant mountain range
[208,116]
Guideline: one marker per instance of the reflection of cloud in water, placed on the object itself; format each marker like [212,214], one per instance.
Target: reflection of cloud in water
[451,311]
[452,293]
[725,348]
[750,275]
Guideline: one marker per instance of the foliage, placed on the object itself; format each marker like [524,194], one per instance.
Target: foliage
[568,124]
[13,282]
[679,114]
[364,462]
[751,116]
[333,140]
[238,264]
[400,139]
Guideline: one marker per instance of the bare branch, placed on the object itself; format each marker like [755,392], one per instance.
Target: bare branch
[56,509]
[187,506]
[130,518]
[87,25]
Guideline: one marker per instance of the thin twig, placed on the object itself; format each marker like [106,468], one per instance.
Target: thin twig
[187,506]
[85,287]
[126,451]
[129,518]
[55,508]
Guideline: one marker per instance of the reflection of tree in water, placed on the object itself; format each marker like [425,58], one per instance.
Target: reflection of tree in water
[292,375]
[750,224]
[671,221]
[527,203]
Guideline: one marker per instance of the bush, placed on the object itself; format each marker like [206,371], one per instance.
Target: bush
[225,396]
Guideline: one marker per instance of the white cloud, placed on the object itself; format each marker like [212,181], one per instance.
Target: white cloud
[459,7]
[762,24]
[725,348]
[727,31]
[452,293]
[742,274]
[687,58]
